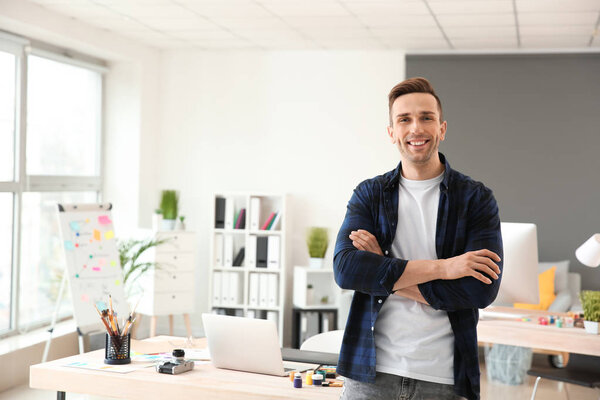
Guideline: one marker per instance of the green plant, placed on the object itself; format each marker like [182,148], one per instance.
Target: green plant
[317,241]
[129,256]
[169,204]
[590,300]
[325,299]
[309,286]
[181,218]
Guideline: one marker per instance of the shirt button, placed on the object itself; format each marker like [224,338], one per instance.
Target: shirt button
[372,328]
[386,252]
[379,301]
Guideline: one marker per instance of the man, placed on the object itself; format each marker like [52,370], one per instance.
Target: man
[420,246]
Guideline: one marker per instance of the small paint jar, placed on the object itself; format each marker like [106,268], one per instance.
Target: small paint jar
[317,380]
[292,376]
[322,372]
[309,378]
[568,322]
[559,323]
[297,380]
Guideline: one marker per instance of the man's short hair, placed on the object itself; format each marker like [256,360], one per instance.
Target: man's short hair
[412,85]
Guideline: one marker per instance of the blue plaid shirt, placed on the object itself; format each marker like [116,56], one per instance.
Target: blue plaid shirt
[467,220]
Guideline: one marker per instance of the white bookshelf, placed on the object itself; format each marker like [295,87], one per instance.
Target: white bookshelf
[241,238]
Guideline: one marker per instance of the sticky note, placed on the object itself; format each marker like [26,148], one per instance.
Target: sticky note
[87,220]
[113,263]
[109,235]
[85,298]
[101,262]
[96,269]
[74,225]
[117,282]
[104,220]
[97,234]
[69,245]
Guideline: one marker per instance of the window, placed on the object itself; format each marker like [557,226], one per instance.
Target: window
[52,158]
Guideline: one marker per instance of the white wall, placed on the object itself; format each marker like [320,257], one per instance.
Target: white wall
[311,124]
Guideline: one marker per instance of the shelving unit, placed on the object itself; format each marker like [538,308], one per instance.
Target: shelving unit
[270,275]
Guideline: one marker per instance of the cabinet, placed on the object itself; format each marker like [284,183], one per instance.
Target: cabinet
[248,260]
[168,288]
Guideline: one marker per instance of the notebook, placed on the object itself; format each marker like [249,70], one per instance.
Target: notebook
[247,344]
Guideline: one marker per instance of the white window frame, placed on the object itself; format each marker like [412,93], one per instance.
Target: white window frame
[22,47]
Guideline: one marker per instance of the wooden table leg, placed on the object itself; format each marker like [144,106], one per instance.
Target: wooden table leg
[188,325]
[61,396]
[153,325]
[170,324]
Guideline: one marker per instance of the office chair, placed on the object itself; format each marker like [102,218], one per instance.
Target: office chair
[581,370]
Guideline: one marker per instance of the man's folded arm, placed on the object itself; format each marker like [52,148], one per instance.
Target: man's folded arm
[360,270]
[483,233]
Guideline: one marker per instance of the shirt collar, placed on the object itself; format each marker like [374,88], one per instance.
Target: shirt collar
[394,178]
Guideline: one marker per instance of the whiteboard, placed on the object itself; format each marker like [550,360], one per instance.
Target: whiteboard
[92,262]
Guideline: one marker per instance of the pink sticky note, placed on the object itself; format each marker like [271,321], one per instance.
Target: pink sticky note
[96,269]
[101,262]
[104,220]
[85,298]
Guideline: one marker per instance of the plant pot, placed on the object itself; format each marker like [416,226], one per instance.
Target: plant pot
[168,224]
[156,222]
[315,263]
[591,327]
[180,226]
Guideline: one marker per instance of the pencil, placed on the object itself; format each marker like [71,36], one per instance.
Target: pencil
[103,320]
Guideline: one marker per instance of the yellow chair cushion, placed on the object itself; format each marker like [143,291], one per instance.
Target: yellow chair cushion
[546,290]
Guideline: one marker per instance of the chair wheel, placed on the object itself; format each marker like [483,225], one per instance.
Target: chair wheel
[556,361]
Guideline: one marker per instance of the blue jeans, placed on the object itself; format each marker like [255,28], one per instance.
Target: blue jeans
[388,387]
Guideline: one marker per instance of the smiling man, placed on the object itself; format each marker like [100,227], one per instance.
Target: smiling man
[421,247]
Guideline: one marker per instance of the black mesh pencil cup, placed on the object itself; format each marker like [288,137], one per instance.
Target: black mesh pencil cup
[116,350]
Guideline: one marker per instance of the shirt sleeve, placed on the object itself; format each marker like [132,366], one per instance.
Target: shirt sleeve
[483,232]
[359,270]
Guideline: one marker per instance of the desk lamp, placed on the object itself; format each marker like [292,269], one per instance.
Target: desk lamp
[589,252]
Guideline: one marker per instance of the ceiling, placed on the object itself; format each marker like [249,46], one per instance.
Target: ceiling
[412,25]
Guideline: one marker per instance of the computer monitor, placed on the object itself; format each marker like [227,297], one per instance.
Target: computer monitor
[520,265]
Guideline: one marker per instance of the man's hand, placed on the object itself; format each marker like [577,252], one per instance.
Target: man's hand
[472,264]
[364,240]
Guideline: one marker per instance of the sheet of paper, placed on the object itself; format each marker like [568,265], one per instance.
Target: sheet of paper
[96,366]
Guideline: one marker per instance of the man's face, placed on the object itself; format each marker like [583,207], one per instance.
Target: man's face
[416,128]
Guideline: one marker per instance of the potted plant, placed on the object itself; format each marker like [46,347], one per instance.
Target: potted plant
[317,241]
[590,300]
[133,267]
[169,205]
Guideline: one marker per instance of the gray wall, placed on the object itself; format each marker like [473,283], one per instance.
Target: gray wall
[528,126]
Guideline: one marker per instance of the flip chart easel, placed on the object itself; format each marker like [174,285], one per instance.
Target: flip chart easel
[92,266]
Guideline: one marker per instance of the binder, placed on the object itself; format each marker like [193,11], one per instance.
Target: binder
[229,212]
[273,252]
[273,286]
[228,251]
[219,212]
[225,288]
[251,252]
[265,226]
[218,250]
[263,290]
[239,258]
[234,288]
[254,213]
[272,316]
[253,291]
[216,288]
[251,314]
[273,226]
[261,251]
[240,222]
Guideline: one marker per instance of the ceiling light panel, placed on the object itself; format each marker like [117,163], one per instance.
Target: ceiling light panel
[499,19]
[399,8]
[558,18]
[557,5]
[304,8]
[471,7]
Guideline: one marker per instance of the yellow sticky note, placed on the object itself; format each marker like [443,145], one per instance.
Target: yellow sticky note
[97,234]
[117,282]
[109,235]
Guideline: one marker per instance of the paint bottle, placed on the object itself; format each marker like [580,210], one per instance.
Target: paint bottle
[317,380]
[309,376]
[297,380]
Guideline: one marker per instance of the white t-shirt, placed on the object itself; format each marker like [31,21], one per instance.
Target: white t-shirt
[412,339]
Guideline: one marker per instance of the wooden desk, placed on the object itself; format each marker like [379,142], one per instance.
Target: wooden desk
[531,334]
[205,381]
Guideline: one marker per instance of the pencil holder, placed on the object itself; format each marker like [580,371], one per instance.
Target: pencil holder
[116,349]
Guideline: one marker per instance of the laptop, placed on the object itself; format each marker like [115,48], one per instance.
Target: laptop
[247,344]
